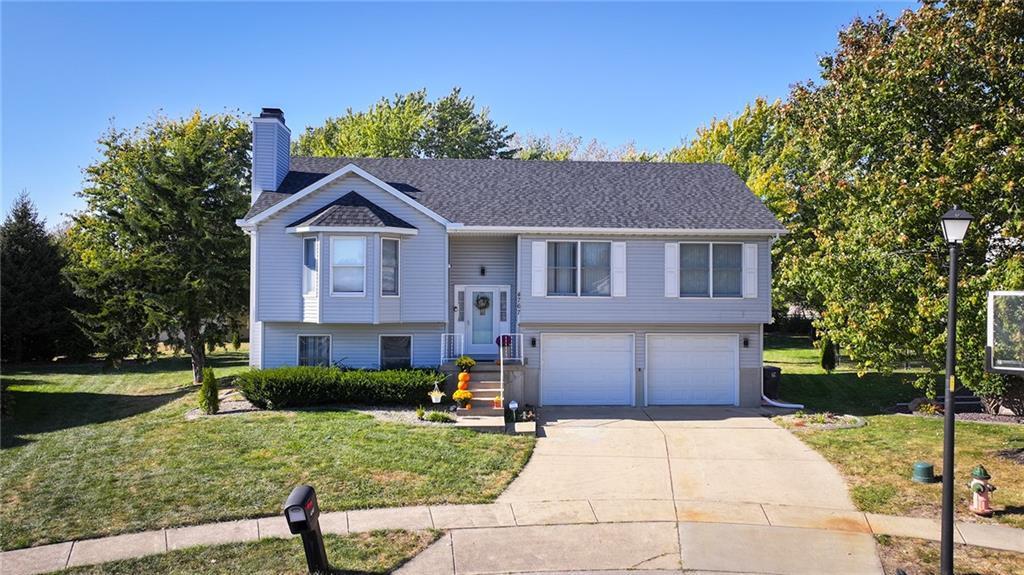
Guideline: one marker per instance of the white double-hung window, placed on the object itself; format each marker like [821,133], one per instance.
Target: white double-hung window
[710,270]
[348,266]
[309,261]
[579,269]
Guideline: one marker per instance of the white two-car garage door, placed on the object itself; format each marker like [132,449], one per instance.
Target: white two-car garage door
[586,369]
[692,369]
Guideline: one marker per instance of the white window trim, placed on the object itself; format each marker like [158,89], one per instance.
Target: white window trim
[315,292]
[398,268]
[380,347]
[579,269]
[330,346]
[365,263]
[711,272]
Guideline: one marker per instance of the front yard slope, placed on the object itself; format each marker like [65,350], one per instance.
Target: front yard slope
[96,453]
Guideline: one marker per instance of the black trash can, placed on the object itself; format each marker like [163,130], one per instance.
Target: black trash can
[772,379]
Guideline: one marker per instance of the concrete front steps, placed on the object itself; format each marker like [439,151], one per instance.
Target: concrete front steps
[483,416]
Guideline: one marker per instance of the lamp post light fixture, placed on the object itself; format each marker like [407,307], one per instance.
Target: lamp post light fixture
[954,227]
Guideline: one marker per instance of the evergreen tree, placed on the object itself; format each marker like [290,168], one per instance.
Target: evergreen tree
[35,297]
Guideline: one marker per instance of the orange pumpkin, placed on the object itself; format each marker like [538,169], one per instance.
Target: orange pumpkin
[464,376]
[463,385]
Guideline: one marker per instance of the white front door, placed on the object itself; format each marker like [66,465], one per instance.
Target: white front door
[483,315]
[587,369]
[692,369]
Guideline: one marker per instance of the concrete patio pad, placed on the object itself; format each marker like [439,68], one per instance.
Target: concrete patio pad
[792,551]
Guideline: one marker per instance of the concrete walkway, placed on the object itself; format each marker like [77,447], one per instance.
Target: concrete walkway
[608,489]
[561,535]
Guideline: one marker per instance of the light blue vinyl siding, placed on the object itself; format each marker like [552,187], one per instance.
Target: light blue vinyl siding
[271,152]
[422,265]
[496,254]
[356,345]
[645,301]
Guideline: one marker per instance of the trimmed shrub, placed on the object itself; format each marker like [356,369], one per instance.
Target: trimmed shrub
[281,387]
[209,402]
[828,355]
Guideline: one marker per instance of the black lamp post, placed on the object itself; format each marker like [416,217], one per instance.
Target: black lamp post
[954,228]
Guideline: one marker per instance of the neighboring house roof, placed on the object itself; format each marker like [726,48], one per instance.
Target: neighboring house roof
[352,210]
[532,193]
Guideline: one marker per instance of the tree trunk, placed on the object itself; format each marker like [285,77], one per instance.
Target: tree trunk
[197,350]
[198,363]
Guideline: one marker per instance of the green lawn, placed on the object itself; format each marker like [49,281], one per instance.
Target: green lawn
[357,554]
[876,459]
[96,452]
[920,557]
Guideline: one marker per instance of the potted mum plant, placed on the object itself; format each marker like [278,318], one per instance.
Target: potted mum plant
[464,398]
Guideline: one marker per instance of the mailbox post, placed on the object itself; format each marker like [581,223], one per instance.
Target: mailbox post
[302,513]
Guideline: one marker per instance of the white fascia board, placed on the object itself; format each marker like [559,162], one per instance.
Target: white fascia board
[351,229]
[349,169]
[459,228]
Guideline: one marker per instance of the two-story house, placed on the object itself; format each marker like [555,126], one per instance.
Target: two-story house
[612,283]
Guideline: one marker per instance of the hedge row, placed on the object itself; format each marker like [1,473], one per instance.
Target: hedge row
[281,387]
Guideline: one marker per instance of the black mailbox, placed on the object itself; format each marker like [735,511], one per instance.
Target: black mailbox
[302,512]
[301,509]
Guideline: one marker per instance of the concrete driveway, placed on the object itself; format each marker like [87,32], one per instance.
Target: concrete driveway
[689,454]
[666,490]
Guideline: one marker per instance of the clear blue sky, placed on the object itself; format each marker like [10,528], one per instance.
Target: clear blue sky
[650,73]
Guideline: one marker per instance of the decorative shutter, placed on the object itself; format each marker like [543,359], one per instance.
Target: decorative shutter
[749,270]
[618,269]
[539,269]
[671,269]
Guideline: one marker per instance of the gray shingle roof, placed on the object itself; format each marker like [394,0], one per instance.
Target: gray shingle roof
[555,194]
[353,210]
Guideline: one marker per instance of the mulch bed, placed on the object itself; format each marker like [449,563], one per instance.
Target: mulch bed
[978,417]
[1015,455]
[819,421]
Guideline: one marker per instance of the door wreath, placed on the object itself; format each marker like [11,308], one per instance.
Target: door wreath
[482,302]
